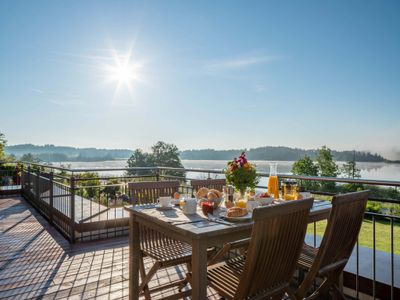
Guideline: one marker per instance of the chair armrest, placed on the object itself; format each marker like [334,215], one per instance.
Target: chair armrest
[244,243]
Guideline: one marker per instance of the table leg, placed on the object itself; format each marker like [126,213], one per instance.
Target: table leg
[199,270]
[134,249]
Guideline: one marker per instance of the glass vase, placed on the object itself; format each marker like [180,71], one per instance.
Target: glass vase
[241,199]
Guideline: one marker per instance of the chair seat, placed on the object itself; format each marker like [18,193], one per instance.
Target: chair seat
[174,252]
[274,247]
[225,276]
[307,257]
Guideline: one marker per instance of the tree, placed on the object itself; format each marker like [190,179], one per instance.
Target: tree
[140,159]
[167,155]
[3,156]
[162,155]
[112,188]
[89,184]
[29,157]
[327,167]
[306,166]
[3,143]
[349,170]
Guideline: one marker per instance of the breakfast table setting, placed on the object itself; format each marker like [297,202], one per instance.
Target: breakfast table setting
[198,229]
[208,218]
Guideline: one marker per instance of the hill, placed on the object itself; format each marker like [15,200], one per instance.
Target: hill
[51,153]
[278,153]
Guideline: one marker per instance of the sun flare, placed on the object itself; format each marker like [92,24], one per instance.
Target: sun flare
[122,74]
[124,71]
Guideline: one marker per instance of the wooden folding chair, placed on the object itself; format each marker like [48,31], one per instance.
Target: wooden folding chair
[146,192]
[165,251]
[329,260]
[217,184]
[275,244]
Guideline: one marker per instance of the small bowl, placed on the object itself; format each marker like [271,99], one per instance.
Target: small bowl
[265,200]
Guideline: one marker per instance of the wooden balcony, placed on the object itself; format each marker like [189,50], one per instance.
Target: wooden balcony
[36,261]
[70,246]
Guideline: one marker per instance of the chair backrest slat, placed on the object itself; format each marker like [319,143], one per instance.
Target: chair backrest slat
[343,227]
[148,191]
[276,240]
[217,184]
[340,236]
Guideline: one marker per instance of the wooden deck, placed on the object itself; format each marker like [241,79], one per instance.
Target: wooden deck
[37,262]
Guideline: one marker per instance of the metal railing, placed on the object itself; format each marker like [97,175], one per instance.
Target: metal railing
[10,177]
[87,204]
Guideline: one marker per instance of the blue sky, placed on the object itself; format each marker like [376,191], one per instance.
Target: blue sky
[216,74]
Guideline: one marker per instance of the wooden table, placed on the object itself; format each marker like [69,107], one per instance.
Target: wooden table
[195,230]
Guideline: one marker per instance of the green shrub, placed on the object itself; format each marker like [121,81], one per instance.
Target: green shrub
[374,207]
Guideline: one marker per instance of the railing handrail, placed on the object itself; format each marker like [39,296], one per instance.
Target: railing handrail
[392,183]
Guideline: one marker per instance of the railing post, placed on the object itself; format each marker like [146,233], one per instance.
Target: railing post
[37,188]
[28,180]
[158,174]
[72,210]
[21,177]
[51,192]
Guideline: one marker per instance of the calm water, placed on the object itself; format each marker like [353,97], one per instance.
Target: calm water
[369,170]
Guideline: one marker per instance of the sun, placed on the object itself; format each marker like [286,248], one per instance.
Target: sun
[124,71]
[122,74]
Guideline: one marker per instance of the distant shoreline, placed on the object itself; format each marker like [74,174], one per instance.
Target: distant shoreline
[49,153]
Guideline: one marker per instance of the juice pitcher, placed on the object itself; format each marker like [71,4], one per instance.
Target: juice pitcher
[273,185]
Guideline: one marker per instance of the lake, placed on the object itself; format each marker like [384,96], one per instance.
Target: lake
[369,170]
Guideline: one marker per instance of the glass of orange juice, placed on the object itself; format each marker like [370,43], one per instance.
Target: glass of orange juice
[273,185]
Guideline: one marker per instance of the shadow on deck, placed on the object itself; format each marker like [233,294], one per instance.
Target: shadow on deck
[37,262]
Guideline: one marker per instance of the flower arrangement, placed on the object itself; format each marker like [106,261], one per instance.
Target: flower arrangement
[241,174]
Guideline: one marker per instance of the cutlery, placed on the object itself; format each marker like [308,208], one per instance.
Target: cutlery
[217,220]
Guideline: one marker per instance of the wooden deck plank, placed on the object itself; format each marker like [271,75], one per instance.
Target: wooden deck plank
[37,262]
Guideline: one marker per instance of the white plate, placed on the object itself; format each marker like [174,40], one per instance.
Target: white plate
[236,219]
[159,207]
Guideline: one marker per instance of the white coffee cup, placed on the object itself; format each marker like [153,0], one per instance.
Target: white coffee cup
[164,201]
[189,206]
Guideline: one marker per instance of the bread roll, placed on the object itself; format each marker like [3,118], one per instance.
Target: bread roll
[212,196]
[218,193]
[236,212]
[202,192]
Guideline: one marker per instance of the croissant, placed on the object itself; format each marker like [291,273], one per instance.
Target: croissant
[236,212]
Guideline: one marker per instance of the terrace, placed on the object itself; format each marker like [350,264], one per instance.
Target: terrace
[64,235]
